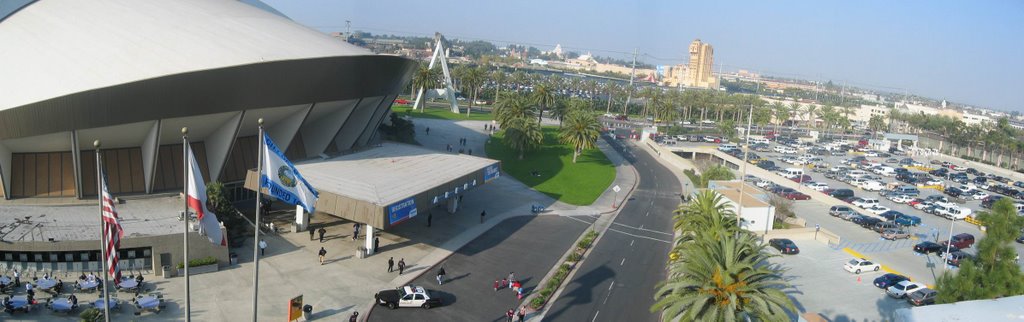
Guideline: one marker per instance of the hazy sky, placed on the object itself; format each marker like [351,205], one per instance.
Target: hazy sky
[963,51]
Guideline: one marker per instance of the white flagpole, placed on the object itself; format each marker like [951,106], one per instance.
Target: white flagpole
[256,235]
[185,158]
[103,232]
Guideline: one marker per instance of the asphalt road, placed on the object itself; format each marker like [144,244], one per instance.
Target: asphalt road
[616,282]
[526,245]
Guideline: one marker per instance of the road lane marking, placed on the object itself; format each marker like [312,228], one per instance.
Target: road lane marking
[631,242]
[612,284]
[623,261]
[641,228]
[647,214]
[639,236]
[595,316]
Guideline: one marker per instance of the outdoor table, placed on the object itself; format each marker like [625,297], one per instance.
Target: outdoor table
[46,284]
[61,305]
[4,281]
[88,285]
[19,302]
[100,303]
[147,302]
[128,283]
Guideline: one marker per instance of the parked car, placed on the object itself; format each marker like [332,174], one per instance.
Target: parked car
[900,198]
[889,279]
[882,226]
[901,289]
[865,202]
[407,296]
[796,195]
[858,265]
[953,192]
[784,245]
[908,220]
[877,209]
[894,234]
[802,178]
[872,185]
[957,257]
[817,186]
[837,211]
[925,296]
[961,241]
[841,193]
[890,215]
[927,247]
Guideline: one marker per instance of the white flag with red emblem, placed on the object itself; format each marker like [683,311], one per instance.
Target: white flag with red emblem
[208,224]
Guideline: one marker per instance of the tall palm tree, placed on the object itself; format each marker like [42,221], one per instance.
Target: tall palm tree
[581,131]
[472,79]
[591,87]
[522,134]
[520,79]
[781,112]
[499,78]
[543,95]
[706,211]
[809,109]
[425,78]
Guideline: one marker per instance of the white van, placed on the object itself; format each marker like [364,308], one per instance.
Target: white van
[727,147]
[871,186]
[790,173]
[886,171]
[953,212]
[759,140]
[857,174]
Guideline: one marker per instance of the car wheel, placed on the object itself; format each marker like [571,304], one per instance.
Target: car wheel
[876,268]
[392,305]
[857,272]
[426,306]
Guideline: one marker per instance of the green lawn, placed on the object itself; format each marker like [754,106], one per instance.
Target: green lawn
[443,113]
[577,184]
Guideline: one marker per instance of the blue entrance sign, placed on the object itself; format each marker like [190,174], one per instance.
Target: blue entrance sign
[401,211]
[491,172]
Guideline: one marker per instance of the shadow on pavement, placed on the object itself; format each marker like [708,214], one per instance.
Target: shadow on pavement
[581,293]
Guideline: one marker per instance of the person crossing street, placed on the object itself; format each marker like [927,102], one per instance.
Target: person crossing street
[322,253]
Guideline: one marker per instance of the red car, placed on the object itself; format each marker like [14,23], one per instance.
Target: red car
[802,179]
[796,195]
[915,201]
[402,101]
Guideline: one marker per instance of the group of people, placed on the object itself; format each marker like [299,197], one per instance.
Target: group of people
[510,282]
[521,314]
[401,267]
[462,143]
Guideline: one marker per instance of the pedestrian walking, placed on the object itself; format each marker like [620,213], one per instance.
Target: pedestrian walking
[440,276]
[428,130]
[497,284]
[376,243]
[482,214]
[401,266]
[430,217]
[311,232]
[522,314]
[391,264]
[449,148]
[517,286]
[509,314]
[511,277]
[263,247]
[17,278]
[355,233]
[322,231]
[470,152]
[354,317]
[322,253]
[519,292]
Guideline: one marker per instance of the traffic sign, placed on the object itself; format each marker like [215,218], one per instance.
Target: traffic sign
[616,188]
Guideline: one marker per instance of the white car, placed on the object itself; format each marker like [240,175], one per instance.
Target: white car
[933,182]
[788,150]
[877,210]
[858,265]
[871,186]
[871,154]
[901,198]
[778,148]
[407,296]
[904,288]
[817,186]
[978,195]
[763,183]
[865,202]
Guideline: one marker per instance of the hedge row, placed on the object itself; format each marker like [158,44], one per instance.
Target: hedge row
[563,271]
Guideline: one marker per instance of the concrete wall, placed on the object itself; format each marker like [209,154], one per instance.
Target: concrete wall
[199,247]
[824,235]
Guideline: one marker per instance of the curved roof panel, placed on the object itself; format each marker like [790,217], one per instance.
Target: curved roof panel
[58,47]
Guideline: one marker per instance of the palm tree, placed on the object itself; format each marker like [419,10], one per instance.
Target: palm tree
[511,106]
[591,87]
[724,279]
[425,78]
[520,79]
[559,109]
[707,211]
[472,79]
[522,134]
[581,131]
[499,77]
[809,109]
[781,114]
[543,95]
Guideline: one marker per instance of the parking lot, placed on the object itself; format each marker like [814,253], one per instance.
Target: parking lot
[821,285]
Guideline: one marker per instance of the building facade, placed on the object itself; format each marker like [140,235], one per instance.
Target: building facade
[700,70]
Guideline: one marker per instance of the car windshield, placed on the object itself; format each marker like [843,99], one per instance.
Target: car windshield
[854,262]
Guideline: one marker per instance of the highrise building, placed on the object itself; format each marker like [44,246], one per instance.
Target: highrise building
[700,69]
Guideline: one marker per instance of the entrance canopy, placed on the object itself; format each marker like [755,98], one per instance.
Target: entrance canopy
[391,183]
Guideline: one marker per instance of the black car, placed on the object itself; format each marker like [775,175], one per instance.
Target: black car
[891,215]
[940,172]
[784,245]
[954,192]
[988,201]
[884,281]
[942,250]
[869,222]
[858,218]
[927,247]
[767,165]
[841,193]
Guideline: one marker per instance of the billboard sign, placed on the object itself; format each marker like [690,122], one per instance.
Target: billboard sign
[401,211]
[491,172]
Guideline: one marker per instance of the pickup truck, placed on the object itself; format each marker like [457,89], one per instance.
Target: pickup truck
[407,296]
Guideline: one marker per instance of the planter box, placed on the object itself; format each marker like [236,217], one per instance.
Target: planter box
[195,270]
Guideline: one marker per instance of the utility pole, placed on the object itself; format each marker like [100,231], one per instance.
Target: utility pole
[629,91]
[348,28]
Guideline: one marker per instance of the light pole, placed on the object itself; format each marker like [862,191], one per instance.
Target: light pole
[949,244]
[746,152]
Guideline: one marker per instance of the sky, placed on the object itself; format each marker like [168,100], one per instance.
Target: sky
[968,52]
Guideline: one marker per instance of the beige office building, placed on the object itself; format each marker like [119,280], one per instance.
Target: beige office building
[700,69]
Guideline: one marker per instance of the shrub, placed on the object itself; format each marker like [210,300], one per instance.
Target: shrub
[199,262]
[537,302]
[584,243]
[566,267]
[546,292]
[553,283]
[574,257]
[90,315]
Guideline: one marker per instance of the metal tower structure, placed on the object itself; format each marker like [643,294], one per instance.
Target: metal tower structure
[440,54]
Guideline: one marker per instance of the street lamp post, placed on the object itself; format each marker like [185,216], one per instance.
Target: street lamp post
[949,245]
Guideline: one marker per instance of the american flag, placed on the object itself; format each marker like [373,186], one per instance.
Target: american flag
[112,230]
